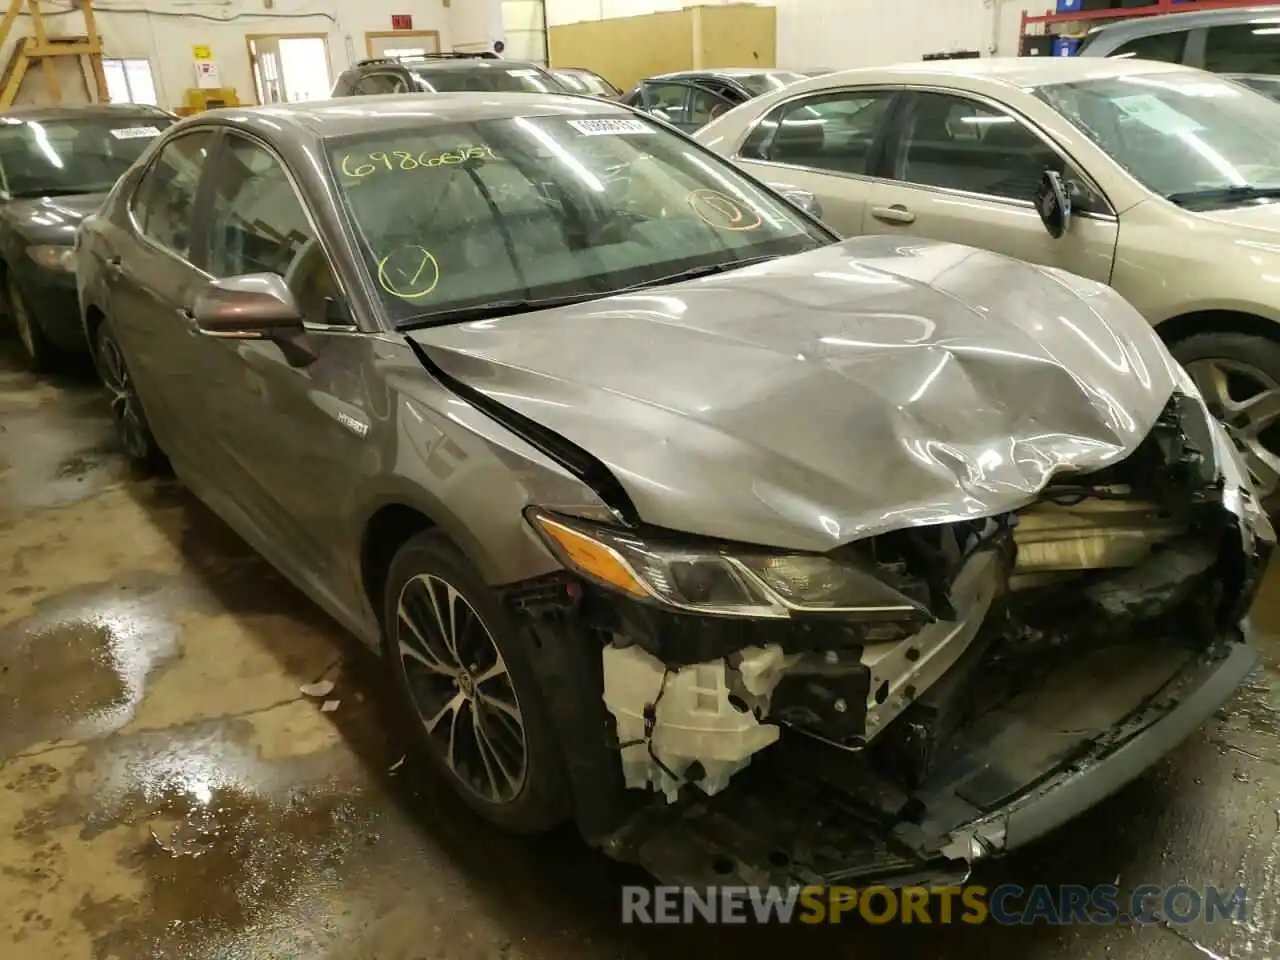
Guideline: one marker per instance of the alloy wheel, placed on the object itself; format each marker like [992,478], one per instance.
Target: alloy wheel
[461,689]
[1247,401]
[124,401]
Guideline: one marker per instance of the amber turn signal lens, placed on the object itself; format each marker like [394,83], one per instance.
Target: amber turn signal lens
[592,558]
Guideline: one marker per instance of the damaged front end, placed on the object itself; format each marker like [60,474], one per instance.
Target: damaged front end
[905,704]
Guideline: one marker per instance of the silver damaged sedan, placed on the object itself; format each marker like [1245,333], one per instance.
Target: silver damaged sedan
[764,557]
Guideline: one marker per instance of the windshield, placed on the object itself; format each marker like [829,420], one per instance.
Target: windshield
[585,82]
[1267,86]
[758,84]
[515,78]
[536,208]
[1180,134]
[80,155]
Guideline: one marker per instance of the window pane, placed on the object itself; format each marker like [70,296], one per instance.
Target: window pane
[142,88]
[667,97]
[1243,48]
[833,132]
[1167,47]
[258,225]
[956,143]
[167,197]
[117,84]
[705,106]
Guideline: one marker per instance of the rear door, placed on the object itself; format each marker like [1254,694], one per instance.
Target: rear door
[153,273]
[965,170]
[828,144]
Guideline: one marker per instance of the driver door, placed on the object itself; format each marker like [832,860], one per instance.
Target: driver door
[291,432]
[967,172]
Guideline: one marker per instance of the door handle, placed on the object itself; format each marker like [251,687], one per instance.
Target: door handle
[894,214]
[113,266]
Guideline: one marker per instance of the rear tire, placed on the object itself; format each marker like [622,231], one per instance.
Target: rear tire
[467,688]
[134,432]
[1239,376]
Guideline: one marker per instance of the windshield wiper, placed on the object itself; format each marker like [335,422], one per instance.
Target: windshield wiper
[1232,194]
[693,273]
[51,192]
[494,308]
[510,307]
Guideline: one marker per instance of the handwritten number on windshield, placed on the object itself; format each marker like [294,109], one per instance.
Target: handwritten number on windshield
[363,165]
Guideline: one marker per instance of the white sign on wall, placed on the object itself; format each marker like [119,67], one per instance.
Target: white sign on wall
[207,77]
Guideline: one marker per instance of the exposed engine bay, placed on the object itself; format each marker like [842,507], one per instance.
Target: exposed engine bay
[1144,556]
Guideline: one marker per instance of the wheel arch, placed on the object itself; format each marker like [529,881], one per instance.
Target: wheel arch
[1195,322]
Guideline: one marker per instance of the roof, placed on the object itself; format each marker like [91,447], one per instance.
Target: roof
[422,64]
[348,115]
[85,110]
[1014,71]
[1123,30]
[725,72]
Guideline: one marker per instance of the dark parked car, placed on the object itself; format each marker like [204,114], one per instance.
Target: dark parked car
[56,165]
[587,82]
[688,99]
[766,557]
[445,73]
[1235,40]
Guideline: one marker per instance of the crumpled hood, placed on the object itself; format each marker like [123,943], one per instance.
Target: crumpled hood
[52,220]
[803,403]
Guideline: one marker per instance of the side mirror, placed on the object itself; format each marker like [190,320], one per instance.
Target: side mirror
[1053,203]
[256,306]
[806,200]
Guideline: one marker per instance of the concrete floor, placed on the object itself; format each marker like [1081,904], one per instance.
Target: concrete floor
[166,791]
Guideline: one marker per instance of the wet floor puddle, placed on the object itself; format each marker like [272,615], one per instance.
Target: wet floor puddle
[78,675]
[195,843]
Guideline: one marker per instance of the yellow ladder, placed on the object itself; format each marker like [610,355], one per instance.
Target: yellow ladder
[45,49]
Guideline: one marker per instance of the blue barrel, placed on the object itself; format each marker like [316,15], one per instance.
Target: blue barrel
[1065,46]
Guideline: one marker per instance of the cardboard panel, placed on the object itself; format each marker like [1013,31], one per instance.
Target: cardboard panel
[627,49]
[735,35]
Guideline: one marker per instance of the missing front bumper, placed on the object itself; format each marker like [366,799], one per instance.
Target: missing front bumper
[806,813]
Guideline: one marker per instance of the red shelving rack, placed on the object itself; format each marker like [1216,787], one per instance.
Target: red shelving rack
[1048,18]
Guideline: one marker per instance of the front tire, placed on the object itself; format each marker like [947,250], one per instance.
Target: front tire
[1238,375]
[467,688]
[36,348]
[134,432]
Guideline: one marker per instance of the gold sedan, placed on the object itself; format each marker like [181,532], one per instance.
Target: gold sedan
[1161,180]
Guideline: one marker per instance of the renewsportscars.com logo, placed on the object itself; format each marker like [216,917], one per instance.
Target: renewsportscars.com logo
[1008,904]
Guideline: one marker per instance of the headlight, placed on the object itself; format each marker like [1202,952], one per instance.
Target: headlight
[738,582]
[54,258]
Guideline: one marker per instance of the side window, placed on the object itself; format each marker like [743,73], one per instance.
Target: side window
[258,225]
[1168,47]
[833,132]
[1243,48]
[958,144]
[667,97]
[164,205]
[376,83]
[705,105]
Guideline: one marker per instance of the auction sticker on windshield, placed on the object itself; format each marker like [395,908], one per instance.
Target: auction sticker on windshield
[135,133]
[1156,114]
[606,126]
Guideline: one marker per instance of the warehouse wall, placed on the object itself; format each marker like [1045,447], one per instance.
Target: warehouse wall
[853,33]
[164,31]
